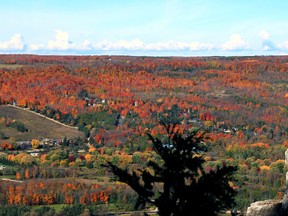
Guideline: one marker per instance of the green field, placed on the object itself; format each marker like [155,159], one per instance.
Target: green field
[10,66]
[38,127]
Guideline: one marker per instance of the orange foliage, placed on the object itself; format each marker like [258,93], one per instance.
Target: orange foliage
[39,193]
[18,176]
[260,145]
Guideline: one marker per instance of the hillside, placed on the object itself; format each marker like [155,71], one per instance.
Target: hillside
[114,100]
[38,126]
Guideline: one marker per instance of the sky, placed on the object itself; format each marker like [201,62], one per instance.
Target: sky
[144,27]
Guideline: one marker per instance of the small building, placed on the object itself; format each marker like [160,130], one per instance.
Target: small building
[34,154]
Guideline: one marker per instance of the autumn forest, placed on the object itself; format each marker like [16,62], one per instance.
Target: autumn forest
[113,101]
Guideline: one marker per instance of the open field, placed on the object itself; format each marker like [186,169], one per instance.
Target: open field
[10,66]
[38,126]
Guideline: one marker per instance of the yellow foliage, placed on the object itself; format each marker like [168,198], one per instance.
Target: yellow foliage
[27,159]
[63,163]
[19,157]
[229,148]
[88,157]
[264,168]
[126,159]
[35,143]
[231,184]
[197,156]
[150,170]
[243,167]
[160,100]
[92,149]
[207,158]
[208,123]
[72,164]
[280,161]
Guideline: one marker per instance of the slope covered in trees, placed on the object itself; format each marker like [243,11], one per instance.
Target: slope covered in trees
[241,90]
[241,101]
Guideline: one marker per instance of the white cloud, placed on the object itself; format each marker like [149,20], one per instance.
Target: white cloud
[35,47]
[174,46]
[121,45]
[15,43]
[136,45]
[61,41]
[266,43]
[86,45]
[62,44]
[164,46]
[200,46]
[235,43]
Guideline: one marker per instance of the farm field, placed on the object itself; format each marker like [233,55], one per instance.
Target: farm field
[38,127]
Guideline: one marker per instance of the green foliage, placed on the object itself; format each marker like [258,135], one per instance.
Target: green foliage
[95,120]
[83,93]
[4,161]
[14,210]
[72,210]
[19,126]
[123,201]
[45,210]
[171,116]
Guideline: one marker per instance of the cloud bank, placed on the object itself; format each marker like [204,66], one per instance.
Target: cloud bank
[62,44]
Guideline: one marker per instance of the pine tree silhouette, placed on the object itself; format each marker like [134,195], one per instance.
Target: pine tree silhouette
[185,188]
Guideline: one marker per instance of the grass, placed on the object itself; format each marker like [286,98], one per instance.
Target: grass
[57,207]
[38,127]
[10,66]
[7,176]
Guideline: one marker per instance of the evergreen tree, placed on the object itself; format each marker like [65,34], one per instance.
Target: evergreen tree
[185,188]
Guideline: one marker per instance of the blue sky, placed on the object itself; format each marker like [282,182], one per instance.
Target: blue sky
[144,27]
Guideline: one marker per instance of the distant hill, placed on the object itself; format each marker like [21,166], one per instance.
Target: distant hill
[38,126]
